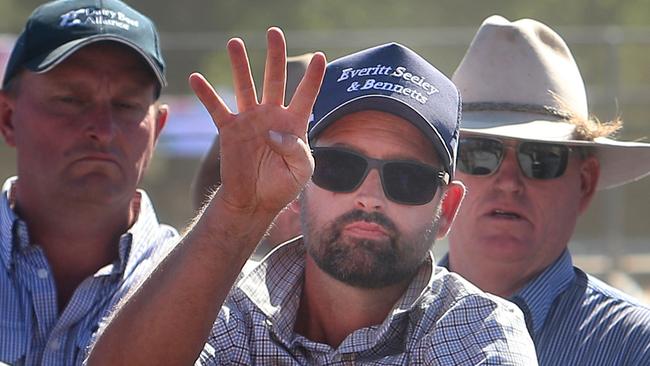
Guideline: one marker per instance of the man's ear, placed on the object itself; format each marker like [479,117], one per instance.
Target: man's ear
[162,114]
[6,118]
[589,174]
[451,200]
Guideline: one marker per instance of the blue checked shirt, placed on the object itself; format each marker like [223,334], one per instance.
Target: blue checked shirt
[440,320]
[575,319]
[33,331]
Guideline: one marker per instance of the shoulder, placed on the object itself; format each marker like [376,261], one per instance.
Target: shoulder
[456,297]
[608,306]
[465,325]
[592,293]
[592,320]
[452,292]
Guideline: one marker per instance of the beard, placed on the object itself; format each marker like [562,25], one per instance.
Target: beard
[367,263]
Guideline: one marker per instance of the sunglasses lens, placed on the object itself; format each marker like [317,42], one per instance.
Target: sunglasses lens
[479,156]
[338,171]
[542,161]
[409,183]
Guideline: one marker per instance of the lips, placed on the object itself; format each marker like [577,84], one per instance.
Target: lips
[366,229]
[506,214]
[98,157]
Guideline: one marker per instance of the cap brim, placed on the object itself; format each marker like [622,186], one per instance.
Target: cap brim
[46,62]
[388,104]
[620,161]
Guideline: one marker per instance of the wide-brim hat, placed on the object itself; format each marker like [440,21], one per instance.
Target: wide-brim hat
[519,80]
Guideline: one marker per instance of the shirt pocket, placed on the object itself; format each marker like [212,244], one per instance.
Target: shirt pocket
[13,342]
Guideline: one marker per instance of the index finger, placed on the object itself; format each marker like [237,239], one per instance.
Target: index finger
[306,92]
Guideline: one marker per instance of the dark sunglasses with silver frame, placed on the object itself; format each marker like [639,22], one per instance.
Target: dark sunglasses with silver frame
[537,160]
[404,181]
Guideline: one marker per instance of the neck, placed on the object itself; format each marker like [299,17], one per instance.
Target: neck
[330,310]
[77,240]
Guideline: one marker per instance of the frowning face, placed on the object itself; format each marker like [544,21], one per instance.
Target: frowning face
[86,129]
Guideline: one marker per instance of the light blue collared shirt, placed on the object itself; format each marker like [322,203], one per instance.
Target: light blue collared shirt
[33,331]
[440,320]
[576,319]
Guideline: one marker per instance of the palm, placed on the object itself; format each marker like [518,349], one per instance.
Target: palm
[252,170]
[257,172]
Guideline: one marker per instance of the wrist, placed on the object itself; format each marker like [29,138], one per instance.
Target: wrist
[235,229]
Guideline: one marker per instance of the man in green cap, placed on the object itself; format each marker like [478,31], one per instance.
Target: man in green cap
[79,105]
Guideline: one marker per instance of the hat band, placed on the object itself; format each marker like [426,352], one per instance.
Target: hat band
[515,107]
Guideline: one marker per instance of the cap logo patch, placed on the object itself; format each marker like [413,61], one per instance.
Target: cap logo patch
[415,86]
[94,16]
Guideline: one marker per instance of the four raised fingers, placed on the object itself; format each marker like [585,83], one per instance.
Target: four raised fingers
[274,81]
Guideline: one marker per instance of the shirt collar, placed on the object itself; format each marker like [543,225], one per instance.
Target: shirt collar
[282,272]
[7,220]
[140,241]
[540,293]
[536,298]
[134,245]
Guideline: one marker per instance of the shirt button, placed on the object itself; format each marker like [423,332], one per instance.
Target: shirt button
[42,273]
[55,345]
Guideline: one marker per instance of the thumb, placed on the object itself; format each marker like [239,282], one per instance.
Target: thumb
[295,152]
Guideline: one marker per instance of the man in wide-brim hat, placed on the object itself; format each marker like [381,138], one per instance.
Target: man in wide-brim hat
[532,160]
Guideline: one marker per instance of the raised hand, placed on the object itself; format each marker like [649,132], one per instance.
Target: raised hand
[265,161]
[265,158]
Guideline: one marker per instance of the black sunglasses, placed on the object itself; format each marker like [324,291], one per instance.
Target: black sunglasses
[537,160]
[404,181]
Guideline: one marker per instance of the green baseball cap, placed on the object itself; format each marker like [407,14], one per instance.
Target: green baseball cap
[57,29]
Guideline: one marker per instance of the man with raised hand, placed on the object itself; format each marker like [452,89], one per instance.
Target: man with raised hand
[532,160]
[79,105]
[361,286]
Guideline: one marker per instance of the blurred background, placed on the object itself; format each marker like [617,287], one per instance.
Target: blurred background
[610,40]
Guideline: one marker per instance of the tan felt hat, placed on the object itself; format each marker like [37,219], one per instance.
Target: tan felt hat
[519,80]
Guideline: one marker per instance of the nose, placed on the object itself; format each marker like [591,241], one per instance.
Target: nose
[370,195]
[509,176]
[100,124]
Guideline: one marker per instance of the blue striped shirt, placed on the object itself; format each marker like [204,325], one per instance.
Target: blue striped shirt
[576,319]
[440,320]
[32,329]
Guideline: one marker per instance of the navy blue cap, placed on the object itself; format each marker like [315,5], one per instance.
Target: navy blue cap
[393,79]
[57,29]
